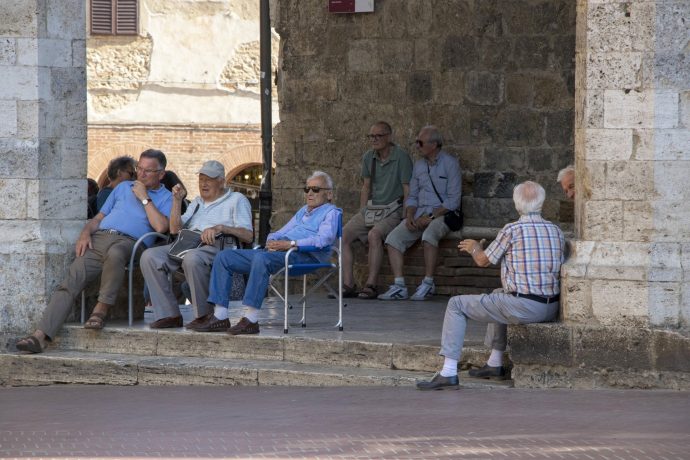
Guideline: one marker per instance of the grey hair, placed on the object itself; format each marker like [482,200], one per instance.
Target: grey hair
[565,171]
[326,178]
[434,135]
[528,197]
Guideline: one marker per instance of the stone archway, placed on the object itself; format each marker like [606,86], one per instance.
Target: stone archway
[239,158]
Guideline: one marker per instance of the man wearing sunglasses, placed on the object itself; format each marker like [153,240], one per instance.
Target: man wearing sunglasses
[105,246]
[391,168]
[119,169]
[435,189]
[315,224]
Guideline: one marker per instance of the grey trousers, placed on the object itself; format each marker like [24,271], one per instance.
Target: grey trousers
[498,309]
[157,266]
[108,258]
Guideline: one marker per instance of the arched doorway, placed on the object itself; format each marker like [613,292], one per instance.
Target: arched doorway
[246,179]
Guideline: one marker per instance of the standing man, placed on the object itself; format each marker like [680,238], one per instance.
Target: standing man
[105,246]
[531,253]
[315,224]
[215,211]
[566,177]
[391,168]
[435,189]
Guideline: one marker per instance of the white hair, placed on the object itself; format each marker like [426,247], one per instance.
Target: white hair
[528,197]
[325,177]
[564,172]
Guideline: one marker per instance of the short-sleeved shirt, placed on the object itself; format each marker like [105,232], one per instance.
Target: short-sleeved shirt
[531,254]
[390,174]
[232,209]
[125,213]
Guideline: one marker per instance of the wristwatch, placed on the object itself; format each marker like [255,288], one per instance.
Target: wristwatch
[293,243]
[431,216]
[145,201]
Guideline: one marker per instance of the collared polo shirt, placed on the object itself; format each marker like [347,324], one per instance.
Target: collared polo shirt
[231,209]
[390,174]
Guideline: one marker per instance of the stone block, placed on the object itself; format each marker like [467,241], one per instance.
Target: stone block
[20,157]
[60,199]
[64,118]
[162,371]
[20,18]
[520,127]
[426,55]
[674,35]
[608,144]
[448,87]
[685,109]
[541,160]
[363,56]
[219,346]
[593,179]
[484,88]
[8,51]
[532,52]
[671,220]
[15,193]
[621,302]
[78,53]
[641,109]
[664,304]
[638,221]
[8,118]
[614,70]
[495,53]
[559,128]
[519,89]
[66,19]
[419,89]
[620,26]
[602,220]
[459,51]
[551,93]
[576,300]
[546,344]
[109,340]
[396,55]
[672,70]
[612,347]
[504,159]
[589,108]
[669,175]
[27,120]
[684,312]
[68,84]
[499,185]
[629,180]
[356,354]
[20,82]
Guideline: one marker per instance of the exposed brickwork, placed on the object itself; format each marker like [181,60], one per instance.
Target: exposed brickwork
[186,147]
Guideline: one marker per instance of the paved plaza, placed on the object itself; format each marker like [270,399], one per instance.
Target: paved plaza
[341,423]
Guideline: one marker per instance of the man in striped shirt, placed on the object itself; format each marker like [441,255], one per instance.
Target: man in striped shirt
[531,253]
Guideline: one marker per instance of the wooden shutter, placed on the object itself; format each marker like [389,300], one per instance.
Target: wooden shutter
[114,17]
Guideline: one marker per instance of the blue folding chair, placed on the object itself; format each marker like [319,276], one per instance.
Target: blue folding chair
[300,269]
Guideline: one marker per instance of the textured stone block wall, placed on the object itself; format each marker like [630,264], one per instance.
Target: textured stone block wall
[497,77]
[42,151]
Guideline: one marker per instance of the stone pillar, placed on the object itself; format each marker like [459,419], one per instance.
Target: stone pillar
[626,289]
[42,152]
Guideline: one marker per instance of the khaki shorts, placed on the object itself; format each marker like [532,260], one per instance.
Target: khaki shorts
[355,226]
[401,238]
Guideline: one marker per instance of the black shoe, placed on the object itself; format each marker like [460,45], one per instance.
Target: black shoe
[439,382]
[488,372]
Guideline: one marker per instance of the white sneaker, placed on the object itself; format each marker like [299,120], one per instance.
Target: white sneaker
[424,291]
[395,292]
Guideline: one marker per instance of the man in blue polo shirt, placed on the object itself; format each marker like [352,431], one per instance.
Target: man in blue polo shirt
[105,245]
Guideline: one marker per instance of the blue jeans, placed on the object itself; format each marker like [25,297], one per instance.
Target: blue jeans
[258,263]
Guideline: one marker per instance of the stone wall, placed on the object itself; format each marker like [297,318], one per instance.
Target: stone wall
[43,151]
[497,78]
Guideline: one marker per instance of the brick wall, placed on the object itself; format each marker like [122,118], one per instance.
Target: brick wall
[186,147]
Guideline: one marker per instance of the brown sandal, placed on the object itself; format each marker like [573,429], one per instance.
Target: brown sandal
[368,292]
[95,321]
[30,344]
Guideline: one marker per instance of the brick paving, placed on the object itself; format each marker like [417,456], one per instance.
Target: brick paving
[341,423]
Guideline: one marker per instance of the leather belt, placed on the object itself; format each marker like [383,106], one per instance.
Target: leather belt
[537,298]
[115,232]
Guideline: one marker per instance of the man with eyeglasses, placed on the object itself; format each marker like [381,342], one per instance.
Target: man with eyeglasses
[391,169]
[105,245]
[315,224]
[435,189]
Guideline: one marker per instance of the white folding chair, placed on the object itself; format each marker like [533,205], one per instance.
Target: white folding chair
[304,269]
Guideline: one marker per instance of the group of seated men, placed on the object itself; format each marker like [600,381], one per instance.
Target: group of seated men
[530,251]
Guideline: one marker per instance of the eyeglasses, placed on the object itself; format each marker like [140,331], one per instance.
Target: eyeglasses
[314,189]
[147,171]
[376,137]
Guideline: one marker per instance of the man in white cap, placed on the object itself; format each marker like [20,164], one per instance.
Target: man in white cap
[216,210]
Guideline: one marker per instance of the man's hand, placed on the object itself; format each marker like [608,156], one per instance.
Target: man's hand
[83,243]
[469,246]
[278,245]
[422,222]
[409,223]
[139,190]
[179,193]
[208,236]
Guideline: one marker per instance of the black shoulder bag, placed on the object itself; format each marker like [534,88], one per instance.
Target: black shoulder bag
[452,218]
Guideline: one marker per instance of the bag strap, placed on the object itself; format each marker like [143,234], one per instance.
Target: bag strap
[428,170]
[186,225]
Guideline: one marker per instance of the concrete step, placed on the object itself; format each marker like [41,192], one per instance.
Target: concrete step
[287,348]
[79,367]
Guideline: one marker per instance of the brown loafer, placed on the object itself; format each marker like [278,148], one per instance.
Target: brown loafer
[213,324]
[198,321]
[167,322]
[244,327]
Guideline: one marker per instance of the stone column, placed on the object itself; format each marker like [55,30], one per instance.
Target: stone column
[626,289]
[42,152]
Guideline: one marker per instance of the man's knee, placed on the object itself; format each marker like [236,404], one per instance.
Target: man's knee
[375,238]
[192,260]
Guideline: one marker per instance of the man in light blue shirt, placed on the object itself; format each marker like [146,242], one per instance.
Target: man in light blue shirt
[315,224]
[435,189]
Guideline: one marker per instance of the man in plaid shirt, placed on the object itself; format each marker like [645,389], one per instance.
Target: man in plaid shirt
[531,253]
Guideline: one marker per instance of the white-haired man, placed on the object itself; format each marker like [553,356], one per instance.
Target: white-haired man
[566,177]
[531,253]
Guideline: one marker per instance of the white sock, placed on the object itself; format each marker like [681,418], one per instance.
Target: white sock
[220,312]
[400,281]
[496,359]
[429,279]
[251,313]
[450,367]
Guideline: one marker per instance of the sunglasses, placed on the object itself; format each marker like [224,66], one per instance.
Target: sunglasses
[419,143]
[314,189]
[376,137]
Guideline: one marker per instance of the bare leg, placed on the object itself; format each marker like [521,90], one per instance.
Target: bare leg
[375,256]
[430,258]
[396,259]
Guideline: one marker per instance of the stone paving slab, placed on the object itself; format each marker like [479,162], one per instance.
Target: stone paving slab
[341,423]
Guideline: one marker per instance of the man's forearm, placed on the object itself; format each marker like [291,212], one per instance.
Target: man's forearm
[176,217]
[243,234]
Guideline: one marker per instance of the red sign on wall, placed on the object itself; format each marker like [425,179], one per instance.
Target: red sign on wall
[350,6]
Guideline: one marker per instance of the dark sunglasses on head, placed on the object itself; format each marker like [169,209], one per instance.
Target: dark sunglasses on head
[314,189]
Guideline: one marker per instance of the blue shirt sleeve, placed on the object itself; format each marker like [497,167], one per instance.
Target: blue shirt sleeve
[327,232]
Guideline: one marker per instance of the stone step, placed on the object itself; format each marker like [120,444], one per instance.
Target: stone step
[290,348]
[79,367]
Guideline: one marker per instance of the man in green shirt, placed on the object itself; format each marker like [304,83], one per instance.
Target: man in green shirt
[391,168]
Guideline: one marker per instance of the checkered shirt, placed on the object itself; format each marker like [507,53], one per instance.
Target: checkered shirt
[531,253]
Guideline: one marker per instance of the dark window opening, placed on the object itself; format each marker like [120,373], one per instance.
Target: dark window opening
[114,17]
